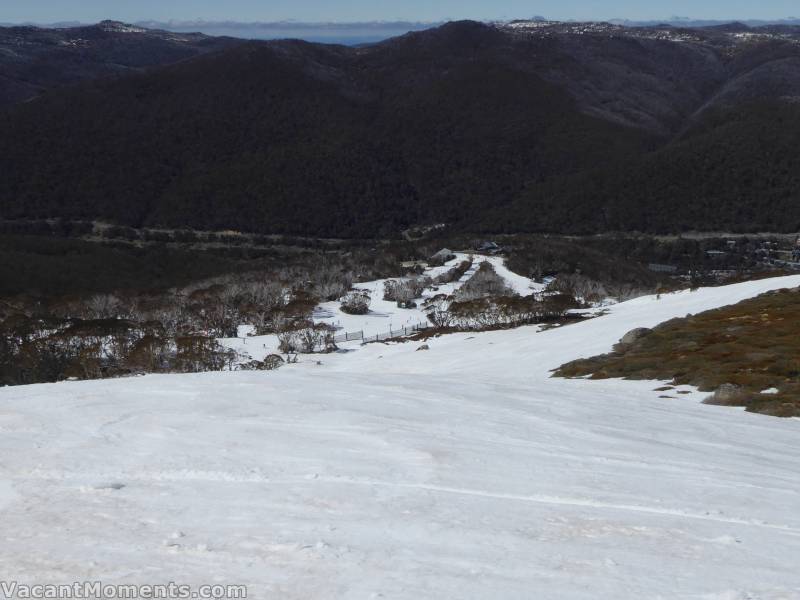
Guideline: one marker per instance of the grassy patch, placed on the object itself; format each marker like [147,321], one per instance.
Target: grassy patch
[745,349]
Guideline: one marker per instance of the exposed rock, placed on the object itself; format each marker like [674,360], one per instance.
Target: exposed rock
[423,347]
[634,335]
[728,394]
[630,338]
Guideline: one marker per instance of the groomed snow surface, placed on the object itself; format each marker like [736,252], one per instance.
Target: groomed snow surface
[460,472]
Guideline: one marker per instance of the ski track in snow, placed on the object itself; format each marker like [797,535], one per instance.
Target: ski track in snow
[464,471]
[205,476]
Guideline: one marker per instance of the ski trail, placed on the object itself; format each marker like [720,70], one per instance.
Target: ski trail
[256,477]
[566,501]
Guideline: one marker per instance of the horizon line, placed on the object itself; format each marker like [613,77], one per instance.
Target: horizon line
[299,23]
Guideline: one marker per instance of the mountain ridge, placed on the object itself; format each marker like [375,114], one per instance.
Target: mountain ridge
[533,126]
[34,60]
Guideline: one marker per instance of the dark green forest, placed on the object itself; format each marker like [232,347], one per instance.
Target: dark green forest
[462,125]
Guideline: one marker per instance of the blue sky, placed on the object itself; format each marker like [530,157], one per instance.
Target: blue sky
[368,10]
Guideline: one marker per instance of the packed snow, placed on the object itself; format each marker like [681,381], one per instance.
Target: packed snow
[464,471]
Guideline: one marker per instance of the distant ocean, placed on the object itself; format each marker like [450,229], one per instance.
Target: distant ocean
[347,35]
[352,40]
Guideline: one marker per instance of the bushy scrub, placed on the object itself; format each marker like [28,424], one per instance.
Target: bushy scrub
[309,339]
[453,274]
[355,303]
[507,311]
[484,283]
[405,290]
[736,353]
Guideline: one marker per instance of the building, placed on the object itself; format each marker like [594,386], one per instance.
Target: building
[413,264]
[659,268]
[442,256]
[488,247]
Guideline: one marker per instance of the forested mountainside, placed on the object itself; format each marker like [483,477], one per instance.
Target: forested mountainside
[529,126]
[36,59]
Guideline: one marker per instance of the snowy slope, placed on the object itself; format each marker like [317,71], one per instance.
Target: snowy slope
[461,472]
[519,283]
[385,316]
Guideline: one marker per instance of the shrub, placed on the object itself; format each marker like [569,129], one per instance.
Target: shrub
[453,274]
[505,311]
[556,305]
[484,283]
[307,340]
[356,303]
[438,313]
[270,363]
[405,290]
[287,342]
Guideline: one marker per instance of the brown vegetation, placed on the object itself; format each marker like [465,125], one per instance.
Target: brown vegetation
[736,352]
[484,283]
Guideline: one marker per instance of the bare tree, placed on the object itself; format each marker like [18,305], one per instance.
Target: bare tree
[103,306]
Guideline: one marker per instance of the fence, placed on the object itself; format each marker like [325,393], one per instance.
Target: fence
[348,337]
[392,333]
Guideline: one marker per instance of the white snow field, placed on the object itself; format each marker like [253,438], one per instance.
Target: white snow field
[461,472]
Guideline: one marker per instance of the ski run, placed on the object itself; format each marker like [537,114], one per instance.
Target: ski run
[460,472]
